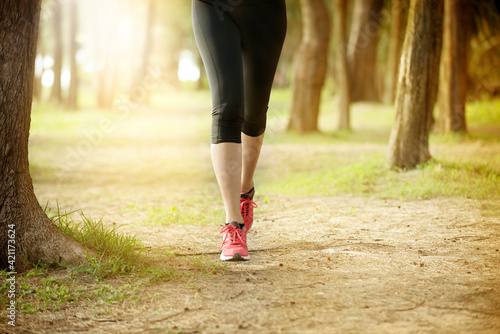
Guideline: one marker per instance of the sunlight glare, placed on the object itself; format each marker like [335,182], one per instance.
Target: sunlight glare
[48,62]
[48,78]
[188,70]
[38,66]
[65,78]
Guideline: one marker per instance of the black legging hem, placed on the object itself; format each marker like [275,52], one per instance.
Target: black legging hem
[240,43]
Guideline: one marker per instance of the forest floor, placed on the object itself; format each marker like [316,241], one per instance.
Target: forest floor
[320,263]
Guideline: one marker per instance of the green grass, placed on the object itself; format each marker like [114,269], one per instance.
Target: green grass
[486,112]
[371,177]
[94,234]
[117,258]
[197,209]
[187,213]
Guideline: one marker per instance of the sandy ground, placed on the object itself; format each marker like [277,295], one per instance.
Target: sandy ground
[322,265]
[318,264]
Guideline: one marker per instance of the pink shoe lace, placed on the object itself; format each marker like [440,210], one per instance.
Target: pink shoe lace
[234,245]
[233,236]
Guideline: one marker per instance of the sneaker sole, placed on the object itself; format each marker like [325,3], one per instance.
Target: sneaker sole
[235,257]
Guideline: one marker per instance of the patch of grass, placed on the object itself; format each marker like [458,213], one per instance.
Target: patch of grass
[51,293]
[46,118]
[485,112]
[208,266]
[371,177]
[188,212]
[118,250]
[117,257]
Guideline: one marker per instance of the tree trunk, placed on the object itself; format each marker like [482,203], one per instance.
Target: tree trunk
[339,20]
[73,49]
[107,35]
[37,84]
[417,86]
[139,94]
[55,95]
[24,225]
[284,73]
[362,50]
[453,69]
[394,50]
[310,66]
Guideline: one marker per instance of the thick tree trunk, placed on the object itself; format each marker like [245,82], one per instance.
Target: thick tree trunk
[310,66]
[339,20]
[417,85]
[55,95]
[37,84]
[453,69]
[394,50]
[362,50]
[73,49]
[24,226]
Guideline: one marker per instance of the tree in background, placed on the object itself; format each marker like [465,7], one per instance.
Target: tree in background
[453,67]
[292,42]
[484,58]
[73,49]
[109,15]
[394,49]
[362,50]
[55,95]
[36,236]
[147,50]
[339,22]
[310,66]
[417,85]
[176,36]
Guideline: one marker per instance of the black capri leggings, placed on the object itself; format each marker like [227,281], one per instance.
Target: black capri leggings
[240,43]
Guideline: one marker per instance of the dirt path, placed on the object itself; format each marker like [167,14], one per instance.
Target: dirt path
[318,264]
[324,265]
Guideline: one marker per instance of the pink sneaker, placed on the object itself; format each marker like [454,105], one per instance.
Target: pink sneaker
[234,245]
[246,206]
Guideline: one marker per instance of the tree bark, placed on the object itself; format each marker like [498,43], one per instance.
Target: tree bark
[36,237]
[310,66]
[37,84]
[55,95]
[417,85]
[340,14]
[453,69]
[73,49]
[394,50]
[362,50]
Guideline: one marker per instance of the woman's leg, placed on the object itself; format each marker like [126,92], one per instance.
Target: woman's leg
[263,35]
[218,39]
[251,147]
[226,158]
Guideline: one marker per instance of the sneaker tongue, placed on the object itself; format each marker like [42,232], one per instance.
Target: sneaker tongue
[235,224]
[248,195]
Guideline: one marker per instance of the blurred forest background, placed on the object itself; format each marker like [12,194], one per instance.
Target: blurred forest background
[100,53]
[120,127]
[103,53]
